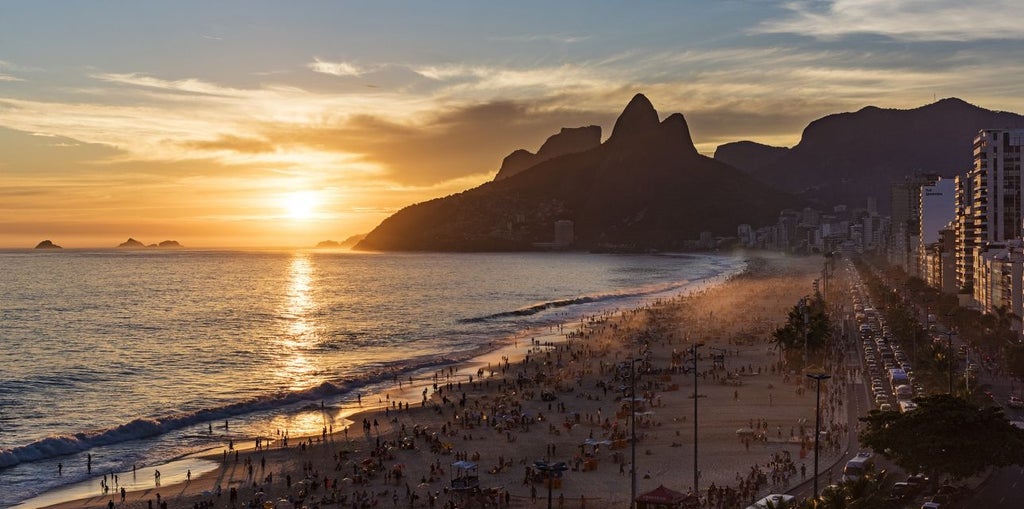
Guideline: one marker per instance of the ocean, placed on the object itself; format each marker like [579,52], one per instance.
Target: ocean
[139,358]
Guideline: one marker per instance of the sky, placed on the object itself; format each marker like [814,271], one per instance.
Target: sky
[275,124]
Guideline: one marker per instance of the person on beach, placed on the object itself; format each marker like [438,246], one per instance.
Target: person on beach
[60,469]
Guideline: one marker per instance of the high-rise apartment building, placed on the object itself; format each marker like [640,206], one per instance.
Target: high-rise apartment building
[963,234]
[997,199]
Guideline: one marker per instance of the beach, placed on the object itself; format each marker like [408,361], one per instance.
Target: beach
[560,397]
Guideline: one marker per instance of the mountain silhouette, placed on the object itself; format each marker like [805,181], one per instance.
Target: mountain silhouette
[644,188]
[569,141]
[845,158]
[748,155]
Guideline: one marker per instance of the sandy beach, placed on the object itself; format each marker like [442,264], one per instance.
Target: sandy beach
[555,398]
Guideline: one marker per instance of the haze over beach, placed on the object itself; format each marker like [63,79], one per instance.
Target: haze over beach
[266,124]
[407,254]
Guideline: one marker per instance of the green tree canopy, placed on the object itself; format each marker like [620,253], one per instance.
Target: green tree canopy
[1015,361]
[817,327]
[944,436]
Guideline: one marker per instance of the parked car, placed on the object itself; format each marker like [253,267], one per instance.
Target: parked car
[1015,402]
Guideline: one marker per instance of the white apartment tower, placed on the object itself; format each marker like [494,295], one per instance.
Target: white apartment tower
[936,209]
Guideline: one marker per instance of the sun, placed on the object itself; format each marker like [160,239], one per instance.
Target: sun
[300,205]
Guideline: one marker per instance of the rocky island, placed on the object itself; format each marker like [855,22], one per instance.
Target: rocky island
[131,244]
[46,244]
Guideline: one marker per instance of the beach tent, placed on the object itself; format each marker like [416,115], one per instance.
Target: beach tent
[465,476]
[664,498]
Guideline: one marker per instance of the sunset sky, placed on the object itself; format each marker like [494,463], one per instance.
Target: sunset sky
[253,123]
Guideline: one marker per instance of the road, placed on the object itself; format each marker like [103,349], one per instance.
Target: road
[1002,489]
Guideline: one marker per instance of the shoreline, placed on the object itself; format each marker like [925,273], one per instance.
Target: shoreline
[227,473]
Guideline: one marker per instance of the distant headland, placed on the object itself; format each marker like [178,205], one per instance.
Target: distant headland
[46,244]
[134,244]
[345,244]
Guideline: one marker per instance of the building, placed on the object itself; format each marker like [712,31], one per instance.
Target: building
[906,226]
[564,233]
[996,195]
[964,236]
[936,209]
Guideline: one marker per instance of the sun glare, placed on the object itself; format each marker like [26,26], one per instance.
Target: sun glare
[299,205]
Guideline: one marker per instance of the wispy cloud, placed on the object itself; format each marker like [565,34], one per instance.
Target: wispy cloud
[5,68]
[910,20]
[191,86]
[335,68]
[556,38]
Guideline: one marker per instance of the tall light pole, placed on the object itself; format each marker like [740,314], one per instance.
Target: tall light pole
[805,312]
[550,469]
[696,473]
[817,424]
[632,431]
[949,357]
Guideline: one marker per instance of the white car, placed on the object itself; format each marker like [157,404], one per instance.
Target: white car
[1015,402]
[774,500]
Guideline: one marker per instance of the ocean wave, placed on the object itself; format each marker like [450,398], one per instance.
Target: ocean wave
[63,445]
[583,299]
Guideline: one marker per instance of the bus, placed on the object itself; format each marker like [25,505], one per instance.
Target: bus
[858,467]
[898,377]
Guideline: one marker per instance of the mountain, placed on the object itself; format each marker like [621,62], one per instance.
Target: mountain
[749,156]
[646,187]
[846,157]
[46,244]
[131,244]
[567,141]
[351,241]
[169,244]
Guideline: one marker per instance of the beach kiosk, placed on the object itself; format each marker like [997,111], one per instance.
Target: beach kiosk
[664,498]
[465,476]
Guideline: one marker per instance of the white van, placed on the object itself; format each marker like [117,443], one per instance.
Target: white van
[904,392]
[858,467]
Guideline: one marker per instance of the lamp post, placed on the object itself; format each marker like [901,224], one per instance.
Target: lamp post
[817,424]
[804,311]
[632,431]
[949,357]
[696,473]
[549,469]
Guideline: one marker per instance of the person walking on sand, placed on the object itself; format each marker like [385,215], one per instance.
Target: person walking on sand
[188,476]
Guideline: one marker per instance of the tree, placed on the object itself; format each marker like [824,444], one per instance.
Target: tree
[818,328]
[944,436]
[1015,361]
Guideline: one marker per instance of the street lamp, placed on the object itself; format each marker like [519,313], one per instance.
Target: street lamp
[696,473]
[549,469]
[803,309]
[817,424]
[949,357]
[632,431]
